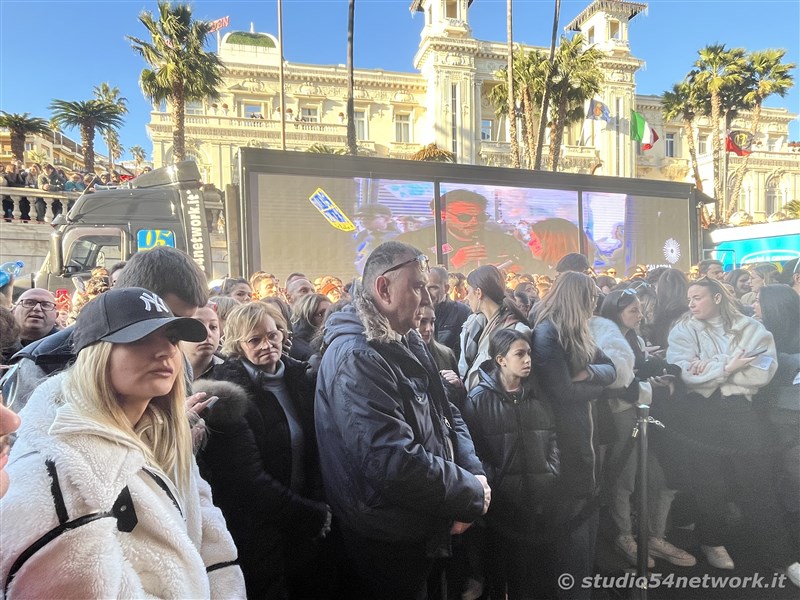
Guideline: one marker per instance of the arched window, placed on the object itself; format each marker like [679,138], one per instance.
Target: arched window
[772,195]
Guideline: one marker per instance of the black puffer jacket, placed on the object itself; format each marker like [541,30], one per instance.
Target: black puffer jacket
[384,427]
[248,463]
[516,442]
[573,406]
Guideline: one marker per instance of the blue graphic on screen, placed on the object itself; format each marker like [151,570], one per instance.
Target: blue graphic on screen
[772,249]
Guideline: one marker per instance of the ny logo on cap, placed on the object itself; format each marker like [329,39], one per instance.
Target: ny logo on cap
[152,301]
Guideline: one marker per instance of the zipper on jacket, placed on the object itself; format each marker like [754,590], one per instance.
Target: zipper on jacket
[591,446]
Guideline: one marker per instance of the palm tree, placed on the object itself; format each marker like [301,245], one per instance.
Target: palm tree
[139,156]
[529,76]
[181,70]
[432,153]
[766,76]
[88,116]
[715,69]
[20,126]
[352,145]
[677,104]
[575,79]
[111,95]
[546,95]
[510,97]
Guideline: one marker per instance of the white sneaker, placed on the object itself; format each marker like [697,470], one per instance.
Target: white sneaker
[661,548]
[793,573]
[627,545]
[717,556]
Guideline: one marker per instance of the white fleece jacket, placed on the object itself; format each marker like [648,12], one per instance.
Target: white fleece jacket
[166,555]
[691,339]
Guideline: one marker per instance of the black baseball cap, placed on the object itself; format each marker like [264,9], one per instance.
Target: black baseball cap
[125,315]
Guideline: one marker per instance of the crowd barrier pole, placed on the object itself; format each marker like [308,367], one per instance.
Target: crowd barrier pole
[640,433]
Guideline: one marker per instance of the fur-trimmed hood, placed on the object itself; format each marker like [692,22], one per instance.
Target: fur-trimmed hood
[231,406]
[610,340]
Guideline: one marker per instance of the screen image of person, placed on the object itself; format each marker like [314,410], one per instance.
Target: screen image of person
[470,239]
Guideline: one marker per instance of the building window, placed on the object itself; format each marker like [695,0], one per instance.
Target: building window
[402,128]
[590,36]
[309,114]
[487,126]
[669,145]
[361,125]
[772,196]
[429,15]
[251,110]
[451,9]
[702,144]
[772,144]
[454,117]
[28,146]
[614,30]
[194,107]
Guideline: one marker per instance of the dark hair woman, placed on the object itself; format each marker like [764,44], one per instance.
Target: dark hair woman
[103,471]
[670,305]
[726,358]
[308,315]
[739,280]
[492,310]
[236,288]
[570,373]
[623,308]
[514,435]
[261,458]
[778,306]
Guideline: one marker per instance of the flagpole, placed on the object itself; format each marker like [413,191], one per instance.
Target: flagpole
[280,75]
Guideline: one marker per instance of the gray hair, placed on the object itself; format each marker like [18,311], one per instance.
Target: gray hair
[385,256]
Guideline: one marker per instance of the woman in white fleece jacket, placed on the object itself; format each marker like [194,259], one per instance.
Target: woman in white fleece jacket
[721,439]
[106,499]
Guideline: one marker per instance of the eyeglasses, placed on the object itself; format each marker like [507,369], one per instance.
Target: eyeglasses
[30,304]
[423,264]
[626,294]
[639,285]
[467,218]
[274,337]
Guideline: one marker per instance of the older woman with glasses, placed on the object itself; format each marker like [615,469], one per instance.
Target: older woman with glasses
[261,458]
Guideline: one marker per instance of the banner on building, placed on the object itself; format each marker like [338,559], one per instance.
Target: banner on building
[739,142]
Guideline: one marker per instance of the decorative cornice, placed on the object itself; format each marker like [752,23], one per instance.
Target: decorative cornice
[626,10]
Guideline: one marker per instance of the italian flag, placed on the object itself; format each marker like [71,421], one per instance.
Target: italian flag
[641,131]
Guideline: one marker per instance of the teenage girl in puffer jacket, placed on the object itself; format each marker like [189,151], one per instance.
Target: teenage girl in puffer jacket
[514,436]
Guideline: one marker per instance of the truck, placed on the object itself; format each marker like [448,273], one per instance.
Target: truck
[322,214]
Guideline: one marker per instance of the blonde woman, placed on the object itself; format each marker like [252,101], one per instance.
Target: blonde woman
[107,501]
[721,444]
[570,373]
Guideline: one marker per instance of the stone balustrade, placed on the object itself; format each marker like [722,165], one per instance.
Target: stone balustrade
[16,195]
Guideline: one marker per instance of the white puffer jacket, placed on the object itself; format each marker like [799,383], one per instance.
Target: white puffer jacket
[692,339]
[178,548]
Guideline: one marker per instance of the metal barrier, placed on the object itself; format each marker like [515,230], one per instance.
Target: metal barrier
[17,194]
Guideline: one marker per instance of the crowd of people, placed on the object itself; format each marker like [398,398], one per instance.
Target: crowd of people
[412,434]
[50,179]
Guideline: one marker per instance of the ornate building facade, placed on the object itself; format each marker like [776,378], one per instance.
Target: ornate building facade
[447,102]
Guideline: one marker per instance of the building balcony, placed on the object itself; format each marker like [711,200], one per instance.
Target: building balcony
[265,132]
[403,149]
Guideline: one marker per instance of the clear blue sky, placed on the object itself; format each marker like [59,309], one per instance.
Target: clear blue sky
[62,48]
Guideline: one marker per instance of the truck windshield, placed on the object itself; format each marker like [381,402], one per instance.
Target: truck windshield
[94,251]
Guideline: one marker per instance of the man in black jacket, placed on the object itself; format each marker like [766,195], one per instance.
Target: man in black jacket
[398,464]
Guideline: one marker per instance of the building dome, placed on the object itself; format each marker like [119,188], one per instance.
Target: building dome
[247,38]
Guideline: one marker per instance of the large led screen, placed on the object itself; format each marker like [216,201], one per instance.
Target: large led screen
[329,225]
[624,231]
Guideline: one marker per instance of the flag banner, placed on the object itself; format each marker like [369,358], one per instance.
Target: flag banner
[219,24]
[739,142]
[598,111]
[641,131]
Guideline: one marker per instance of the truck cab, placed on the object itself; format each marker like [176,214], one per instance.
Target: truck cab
[164,207]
